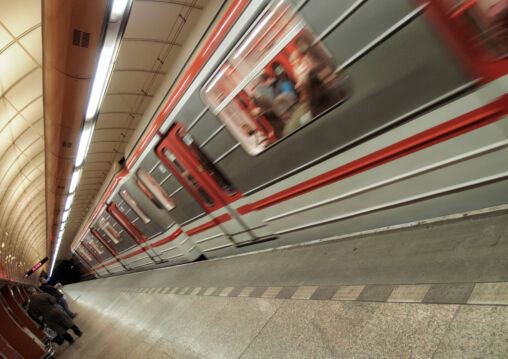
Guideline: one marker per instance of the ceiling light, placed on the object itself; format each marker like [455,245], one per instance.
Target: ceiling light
[74,180]
[118,9]
[65,215]
[99,81]
[68,203]
[84,143]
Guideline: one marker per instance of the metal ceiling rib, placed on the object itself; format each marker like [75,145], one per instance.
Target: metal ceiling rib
[157,30]
[22,194]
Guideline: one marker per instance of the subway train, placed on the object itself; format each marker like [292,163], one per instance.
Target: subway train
[304,120]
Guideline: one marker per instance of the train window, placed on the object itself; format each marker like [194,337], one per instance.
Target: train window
[278,79]
[110,230]
[152,189]
[205,164]
[134,206]
[94,244]
[189,177]
[489,21]
[85,254]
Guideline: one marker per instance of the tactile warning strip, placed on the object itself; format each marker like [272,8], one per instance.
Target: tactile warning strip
[443,293]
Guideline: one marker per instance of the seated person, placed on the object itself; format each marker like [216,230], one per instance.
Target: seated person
[284,91]
[264,90]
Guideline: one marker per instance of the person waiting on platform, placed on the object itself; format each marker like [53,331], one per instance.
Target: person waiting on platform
[44,304]
[48,288]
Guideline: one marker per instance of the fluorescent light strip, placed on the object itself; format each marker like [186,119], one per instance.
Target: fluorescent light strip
[84,143]
[74,180]
[100,80]
[118,9]
[68,202]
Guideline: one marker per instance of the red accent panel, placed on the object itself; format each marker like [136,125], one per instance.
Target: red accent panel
[459,36]
[16,337]
[220,31]
[92,252]
[213,223]
[20,315]
[170,238]
[104,242]
[133,231]
[84,260]
[462,124]
[144,189]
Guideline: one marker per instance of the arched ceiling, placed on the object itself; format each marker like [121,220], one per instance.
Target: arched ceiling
[22,183]
[159,38]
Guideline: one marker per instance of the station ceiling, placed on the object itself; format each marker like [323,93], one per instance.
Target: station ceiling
[159,35]
[22,185]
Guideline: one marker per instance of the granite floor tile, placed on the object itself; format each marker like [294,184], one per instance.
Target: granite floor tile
[257,292]
[286,292]
[476,332]
[311,329]
[234,327]
[453,293]
[304,292]
[348,292]
[271,292]
[324,293]
[246,292]
[209,291]
[226,291]
[409,293]
[235,292]
[489,293]
[376,293]
[403,330]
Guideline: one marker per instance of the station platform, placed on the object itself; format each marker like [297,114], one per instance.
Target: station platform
[432,289]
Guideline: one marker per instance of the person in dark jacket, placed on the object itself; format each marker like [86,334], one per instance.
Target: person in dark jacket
[44,304]
[48,288]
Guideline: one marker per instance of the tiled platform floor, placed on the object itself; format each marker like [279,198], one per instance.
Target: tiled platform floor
[436,290]
[135,325]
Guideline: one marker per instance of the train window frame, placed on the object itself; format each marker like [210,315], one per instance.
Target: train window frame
[476,24]
[145,188]
[252,129]
[134,206]
[106,229]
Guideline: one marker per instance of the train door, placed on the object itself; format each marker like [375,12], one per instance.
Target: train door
[205,182]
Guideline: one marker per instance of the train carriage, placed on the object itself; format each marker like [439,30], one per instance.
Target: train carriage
[304,120]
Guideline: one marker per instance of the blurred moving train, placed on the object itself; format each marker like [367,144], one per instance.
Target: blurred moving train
[302,120]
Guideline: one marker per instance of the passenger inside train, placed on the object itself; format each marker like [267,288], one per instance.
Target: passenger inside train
[282,90]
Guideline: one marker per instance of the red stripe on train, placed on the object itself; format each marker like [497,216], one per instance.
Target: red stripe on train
[213,41]
[220,31]
[460,125]
[170,238]
[213,223]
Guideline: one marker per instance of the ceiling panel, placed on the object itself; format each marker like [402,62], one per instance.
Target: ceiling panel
[24,91]
[19,63]
[22,197]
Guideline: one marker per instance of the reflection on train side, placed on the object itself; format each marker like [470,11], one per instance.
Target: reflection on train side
[153,190]
[93,243]
[109,230]
[263,93]
[85,255]
[134,206]
[488,22]
[189,178]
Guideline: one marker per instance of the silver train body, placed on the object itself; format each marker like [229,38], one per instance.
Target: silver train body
[416,135]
